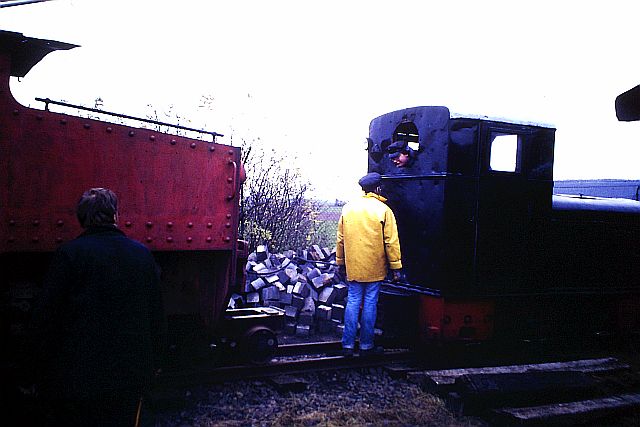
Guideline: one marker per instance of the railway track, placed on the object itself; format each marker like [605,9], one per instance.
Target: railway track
[579,391]
[289,359]
[585,392]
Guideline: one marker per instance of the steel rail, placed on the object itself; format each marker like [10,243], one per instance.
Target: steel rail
[280,366]
[297,349]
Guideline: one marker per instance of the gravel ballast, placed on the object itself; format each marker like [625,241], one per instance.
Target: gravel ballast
[337,398]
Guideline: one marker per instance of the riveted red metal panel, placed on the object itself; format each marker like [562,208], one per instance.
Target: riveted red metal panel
[179,196]
[175,193]
[468,319]
[449,319]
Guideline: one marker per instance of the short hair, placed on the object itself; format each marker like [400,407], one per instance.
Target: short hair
[97,206]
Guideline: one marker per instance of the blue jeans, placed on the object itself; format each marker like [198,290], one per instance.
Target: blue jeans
[367,294]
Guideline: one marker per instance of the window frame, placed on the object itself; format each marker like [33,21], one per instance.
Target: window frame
[495,129]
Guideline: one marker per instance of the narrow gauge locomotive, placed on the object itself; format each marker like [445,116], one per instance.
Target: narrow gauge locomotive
[478,221]
[179,196]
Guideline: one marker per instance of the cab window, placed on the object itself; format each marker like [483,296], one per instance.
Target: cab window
[504,152]
[407,131]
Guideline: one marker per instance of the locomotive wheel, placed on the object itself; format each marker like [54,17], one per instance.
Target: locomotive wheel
[259,344]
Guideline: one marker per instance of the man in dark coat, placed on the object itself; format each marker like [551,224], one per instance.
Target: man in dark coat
[100,322]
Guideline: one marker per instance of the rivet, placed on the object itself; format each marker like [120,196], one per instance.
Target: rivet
[149,224]
[228,216]
[231,152]
[189,239]
[230,161]
[35,239]
[58,239]
[228,225]
[16,112]
[170,224]
[208,239]
[39,117]
[229,197]
[152,137]
[60,223]
[12,222]
[149,239]
[227,239]
[63,121]
[132,133]
[212,148]
[209,225]
[193,145]
[173,142]
[36,222]
[127,224]
[86,125]
[190,224]
[229,179]
[169,239]
[109,129]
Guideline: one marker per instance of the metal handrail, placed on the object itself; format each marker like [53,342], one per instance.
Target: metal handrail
[10,3]
[412,288]
[48,101]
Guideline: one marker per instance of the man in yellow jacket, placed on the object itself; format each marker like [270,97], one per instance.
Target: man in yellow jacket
[367,244]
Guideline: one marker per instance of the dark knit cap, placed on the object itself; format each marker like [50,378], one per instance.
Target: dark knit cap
[370,181]
[397,146]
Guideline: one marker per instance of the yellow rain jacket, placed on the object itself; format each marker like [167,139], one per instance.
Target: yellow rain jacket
[367,239]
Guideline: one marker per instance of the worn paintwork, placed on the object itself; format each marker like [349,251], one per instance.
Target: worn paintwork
[493,240]
[175,193]
[178,196]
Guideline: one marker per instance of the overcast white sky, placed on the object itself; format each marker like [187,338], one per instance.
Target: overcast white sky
[307,77]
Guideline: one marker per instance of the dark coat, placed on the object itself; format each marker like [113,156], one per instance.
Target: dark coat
[100,320]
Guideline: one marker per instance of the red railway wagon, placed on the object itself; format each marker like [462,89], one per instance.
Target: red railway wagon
[179,196]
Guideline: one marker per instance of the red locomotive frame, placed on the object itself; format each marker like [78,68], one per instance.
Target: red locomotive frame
[178,195]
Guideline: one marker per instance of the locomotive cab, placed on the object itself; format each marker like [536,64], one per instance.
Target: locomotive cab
[469,205]
[477,221]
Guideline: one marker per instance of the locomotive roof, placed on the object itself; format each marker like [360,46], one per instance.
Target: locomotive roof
[456,115]
[628,105]
[27,51]
[442,111]
[566,202]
